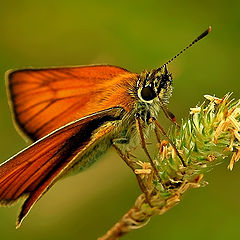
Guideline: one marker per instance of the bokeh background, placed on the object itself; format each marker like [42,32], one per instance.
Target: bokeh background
[135,35]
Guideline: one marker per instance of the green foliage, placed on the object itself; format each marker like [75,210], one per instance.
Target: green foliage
[210,134]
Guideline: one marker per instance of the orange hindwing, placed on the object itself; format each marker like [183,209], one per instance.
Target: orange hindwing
[32,171]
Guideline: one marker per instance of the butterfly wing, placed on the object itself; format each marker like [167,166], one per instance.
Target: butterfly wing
[43,100]
[34,170]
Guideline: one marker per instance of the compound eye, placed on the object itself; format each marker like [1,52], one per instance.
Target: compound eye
[148,93]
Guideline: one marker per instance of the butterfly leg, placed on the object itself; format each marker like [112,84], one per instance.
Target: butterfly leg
[157,125]
[157,135]
[143,145]
[169,115]
[130,164]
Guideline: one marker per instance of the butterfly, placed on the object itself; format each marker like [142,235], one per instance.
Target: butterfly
[73,115]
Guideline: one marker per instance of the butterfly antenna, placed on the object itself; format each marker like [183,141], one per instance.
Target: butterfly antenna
[204,34]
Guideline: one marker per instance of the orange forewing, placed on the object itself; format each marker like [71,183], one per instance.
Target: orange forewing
[43,100]
[32,171]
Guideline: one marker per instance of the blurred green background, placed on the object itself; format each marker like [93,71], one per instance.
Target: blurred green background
[135,35]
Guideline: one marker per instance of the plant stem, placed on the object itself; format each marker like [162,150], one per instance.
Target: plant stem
[210,134]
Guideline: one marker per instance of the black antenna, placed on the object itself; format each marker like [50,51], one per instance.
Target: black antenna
[204,34]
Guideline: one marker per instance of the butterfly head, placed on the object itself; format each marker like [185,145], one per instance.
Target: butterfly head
[155,84]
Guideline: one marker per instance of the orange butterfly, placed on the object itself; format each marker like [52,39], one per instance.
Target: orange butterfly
[73,115]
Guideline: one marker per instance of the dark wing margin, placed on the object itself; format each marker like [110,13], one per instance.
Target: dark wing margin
[35,169]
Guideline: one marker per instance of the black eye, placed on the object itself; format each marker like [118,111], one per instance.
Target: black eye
[148,93]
